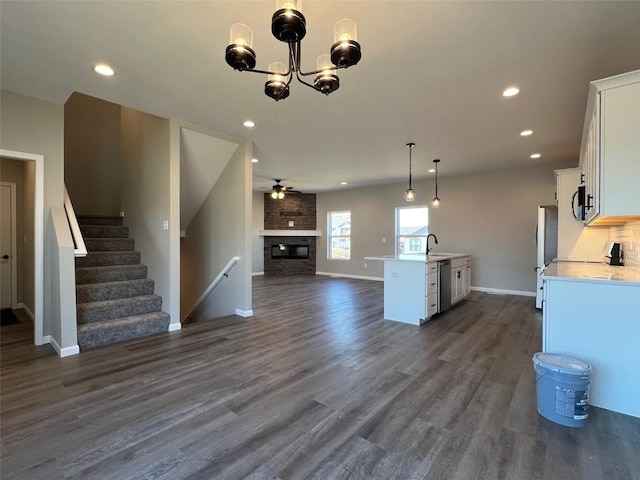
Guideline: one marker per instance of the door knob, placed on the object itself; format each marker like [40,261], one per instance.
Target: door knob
[5,257]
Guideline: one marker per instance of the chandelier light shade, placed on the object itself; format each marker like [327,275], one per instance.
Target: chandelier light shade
[276,86]
[240,54]
[326,81]
[410,194]
[289,25]
[345,52]
[436,200]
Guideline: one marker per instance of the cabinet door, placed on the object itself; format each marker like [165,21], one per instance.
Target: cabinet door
[591,164]
[619,147]
[457,283]
[466,290]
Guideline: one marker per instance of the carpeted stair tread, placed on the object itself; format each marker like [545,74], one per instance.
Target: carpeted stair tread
[109,258]
[115,300]
[110,273]
[109,244]
[117,308]
[96,292]
[99,220]
[104,231]
[92,335]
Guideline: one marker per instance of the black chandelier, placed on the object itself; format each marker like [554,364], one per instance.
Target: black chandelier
[289,26]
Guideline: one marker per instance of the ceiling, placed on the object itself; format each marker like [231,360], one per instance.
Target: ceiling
[431,73]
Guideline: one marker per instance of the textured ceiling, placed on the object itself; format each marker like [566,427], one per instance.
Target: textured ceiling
[432,73]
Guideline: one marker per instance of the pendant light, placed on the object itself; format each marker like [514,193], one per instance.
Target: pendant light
[436,200]
[410,194]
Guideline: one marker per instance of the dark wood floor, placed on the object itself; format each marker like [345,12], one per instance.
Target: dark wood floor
[316,385]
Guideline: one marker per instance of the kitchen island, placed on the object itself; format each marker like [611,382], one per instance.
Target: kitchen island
[412,288]
[592,312]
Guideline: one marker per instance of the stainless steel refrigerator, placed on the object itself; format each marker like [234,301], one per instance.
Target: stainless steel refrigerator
[546,243]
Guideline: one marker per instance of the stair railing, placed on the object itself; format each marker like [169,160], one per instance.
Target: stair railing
[224,273]
[79,248]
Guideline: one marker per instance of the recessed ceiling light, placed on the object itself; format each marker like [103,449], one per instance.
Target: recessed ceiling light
[104,69]
[535,155]
[431,170]
[343,183]
[249,123]
[510,92]
[254,160]
[526,133]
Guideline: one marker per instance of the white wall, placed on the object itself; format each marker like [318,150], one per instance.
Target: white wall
[146,186]
[221,230]
[33,126]
[257,242]
[60,290]
[490,215]
[92,154]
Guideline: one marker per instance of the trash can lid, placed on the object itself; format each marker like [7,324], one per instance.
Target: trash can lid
[562,363]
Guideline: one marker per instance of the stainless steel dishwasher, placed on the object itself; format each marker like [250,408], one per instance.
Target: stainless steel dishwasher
[444,285]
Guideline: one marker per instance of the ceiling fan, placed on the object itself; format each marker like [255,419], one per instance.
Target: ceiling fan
[278,190]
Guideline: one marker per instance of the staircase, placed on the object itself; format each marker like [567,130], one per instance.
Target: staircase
[115,299]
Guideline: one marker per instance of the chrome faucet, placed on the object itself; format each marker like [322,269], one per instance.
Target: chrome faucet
[436,240]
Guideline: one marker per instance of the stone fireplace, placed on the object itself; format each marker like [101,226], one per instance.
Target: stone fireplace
[290,235]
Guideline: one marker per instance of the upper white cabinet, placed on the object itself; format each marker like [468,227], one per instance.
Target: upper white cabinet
[610,152]
[575,242]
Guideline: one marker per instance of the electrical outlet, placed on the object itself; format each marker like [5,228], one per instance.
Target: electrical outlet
[365,265]
[165,225]
[384,239]
[291,223]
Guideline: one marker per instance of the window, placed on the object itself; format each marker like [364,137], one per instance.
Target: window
[339,241]
[412,228]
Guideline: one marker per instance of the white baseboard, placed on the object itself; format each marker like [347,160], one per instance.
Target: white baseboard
[46,339]
[64,352]
[174,327]
[345,275]
[257,274]
[500,291]
[244,313]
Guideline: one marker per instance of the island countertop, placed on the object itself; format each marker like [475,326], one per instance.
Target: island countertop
[432,257]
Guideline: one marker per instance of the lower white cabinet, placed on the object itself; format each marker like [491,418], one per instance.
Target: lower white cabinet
[598,322]
[460,279]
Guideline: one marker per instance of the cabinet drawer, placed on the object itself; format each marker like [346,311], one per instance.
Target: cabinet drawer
[458,262]
[432,305]
[432,283]
[432,268]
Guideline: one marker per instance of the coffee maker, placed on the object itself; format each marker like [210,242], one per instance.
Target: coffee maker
[613,254]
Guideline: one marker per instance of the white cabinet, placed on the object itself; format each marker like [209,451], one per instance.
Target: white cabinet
[431,294]
[597,322]
[404,291]
[609,153]
[575,242]
[466,287]
[460,279]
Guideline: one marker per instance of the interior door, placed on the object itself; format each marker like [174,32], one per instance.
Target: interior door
[6,244]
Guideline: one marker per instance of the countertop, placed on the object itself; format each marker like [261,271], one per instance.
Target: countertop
[592,272]
[433,257]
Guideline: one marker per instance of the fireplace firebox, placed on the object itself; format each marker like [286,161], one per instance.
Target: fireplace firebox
[282,251]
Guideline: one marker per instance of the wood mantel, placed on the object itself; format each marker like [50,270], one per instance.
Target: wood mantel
[289,233]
